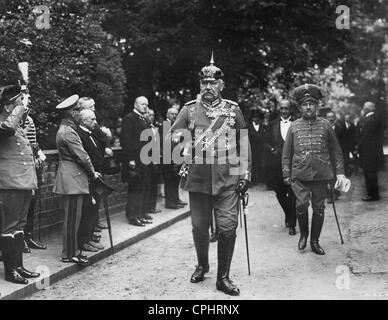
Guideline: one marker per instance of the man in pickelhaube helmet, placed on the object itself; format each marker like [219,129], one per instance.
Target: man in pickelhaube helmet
[212,183]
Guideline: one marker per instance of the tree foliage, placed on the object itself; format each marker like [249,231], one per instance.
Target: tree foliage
[73,56]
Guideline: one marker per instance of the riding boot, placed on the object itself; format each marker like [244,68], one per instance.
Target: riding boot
[303,220]
[201,243]
[31,243]
[10,257]
[316,227]
[19,239]
[225,253]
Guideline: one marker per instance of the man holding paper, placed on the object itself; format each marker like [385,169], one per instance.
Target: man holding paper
[311,154]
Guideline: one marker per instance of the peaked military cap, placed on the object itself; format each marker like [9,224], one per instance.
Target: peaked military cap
[68,103]
[212,72]
[307,92]
[8,93]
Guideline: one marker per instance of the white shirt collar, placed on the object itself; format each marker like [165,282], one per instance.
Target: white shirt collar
[85,129]
[369,114]
[285,120]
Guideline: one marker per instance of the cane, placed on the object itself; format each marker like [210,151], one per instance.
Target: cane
[243,199]
[106,207]
[331,188]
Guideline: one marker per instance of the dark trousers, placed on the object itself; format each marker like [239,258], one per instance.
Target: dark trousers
[14,206]
[29,228]
[89,218]
[72,205]
[371,182]
[153,190]
[171,185]
[137,196]
[286,199]
[225,206]
[306,191]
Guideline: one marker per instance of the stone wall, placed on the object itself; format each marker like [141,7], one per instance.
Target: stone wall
[51,213]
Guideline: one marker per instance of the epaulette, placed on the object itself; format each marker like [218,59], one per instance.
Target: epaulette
[190,102]
[231,102]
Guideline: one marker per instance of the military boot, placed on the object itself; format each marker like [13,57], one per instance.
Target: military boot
[9,249]
[19,239]
[225,253]
[303,220]
[316,227]
[201,243]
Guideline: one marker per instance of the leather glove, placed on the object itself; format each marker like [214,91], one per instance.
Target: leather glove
[242,186]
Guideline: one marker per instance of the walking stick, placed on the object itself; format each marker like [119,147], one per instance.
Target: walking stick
[243,199]
[106,207]
[335,211]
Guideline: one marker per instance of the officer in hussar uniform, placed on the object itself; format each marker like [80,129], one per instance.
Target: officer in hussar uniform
[213,179]
[17,182]
[311,154]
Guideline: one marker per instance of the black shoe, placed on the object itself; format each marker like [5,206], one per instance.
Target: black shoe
[292,231]
[34,244]
[302,241]
[316,248]
[136,222]
[303,220]
[26,273]
[172,206]
[80,259]
[227,286]
[182,202]
[15,277]
[96,239]
[147,217]
[199,274]
[26,248]
[145,221]
[370,198]
[154,211]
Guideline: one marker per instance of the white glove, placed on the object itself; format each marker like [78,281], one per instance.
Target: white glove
[342,183]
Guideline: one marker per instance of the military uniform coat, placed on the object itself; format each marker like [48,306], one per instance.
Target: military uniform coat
[75,165]
[311,151]
[213,178]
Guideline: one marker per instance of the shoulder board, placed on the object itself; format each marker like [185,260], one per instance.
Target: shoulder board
[190,102]
[231,102]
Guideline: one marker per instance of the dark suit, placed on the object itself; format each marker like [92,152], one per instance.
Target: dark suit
[348,145]
[284,193]
[132,127]
[257,140]
[95,149]
[370,149]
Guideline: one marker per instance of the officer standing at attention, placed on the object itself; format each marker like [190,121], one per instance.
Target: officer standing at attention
[72,180]
[212,183]
[311,154]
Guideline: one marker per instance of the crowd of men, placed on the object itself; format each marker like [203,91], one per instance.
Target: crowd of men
[302,157]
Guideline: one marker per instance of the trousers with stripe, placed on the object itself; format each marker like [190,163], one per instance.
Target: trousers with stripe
[72,205]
